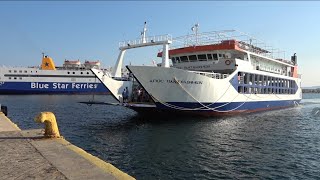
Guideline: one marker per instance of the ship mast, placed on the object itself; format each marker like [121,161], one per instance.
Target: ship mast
[143,33]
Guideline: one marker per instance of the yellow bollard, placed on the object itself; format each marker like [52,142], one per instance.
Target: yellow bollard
[51,126]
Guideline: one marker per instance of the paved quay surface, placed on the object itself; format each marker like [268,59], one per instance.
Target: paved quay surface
[27,155]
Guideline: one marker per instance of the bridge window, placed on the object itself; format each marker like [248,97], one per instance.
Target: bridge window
[202,57]
[215,56]
[173,59]
[192,58]
[209,56]
[177,59]
[184,59]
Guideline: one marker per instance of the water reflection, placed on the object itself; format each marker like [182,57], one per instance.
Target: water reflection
[274,144]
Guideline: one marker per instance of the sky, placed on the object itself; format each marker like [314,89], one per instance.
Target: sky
[92,30]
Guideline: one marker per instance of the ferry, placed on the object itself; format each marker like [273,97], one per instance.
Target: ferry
[212,73]
[72,78]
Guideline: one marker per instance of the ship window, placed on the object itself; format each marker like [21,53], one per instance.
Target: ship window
[192,57]
[68,72]
[209,56]
[9,77]
[240,89]
[177,59]
[184,59]
[9,71]
[245,90]
[14,78]
[87,72]
[245,78]
[173,59]
[25,71]
[20,78]
[251,79]
[256,79]
[215,56]
[251,90]
[240,77]
[265,80]
[73,72]
[15,71]
[222,56]
[20,71]
[261,80]
[81,72]
[202,57]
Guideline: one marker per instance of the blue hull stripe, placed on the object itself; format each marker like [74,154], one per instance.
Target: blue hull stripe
[52,88]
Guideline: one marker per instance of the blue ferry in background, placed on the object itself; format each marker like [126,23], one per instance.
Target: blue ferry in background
[72,78]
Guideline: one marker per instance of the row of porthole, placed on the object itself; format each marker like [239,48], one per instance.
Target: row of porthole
[20,71]
[15,78]
[80,72]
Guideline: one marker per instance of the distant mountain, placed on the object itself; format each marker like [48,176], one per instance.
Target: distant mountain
[312,87]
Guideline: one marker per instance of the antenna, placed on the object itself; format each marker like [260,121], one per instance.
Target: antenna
[195,29]
[143,33]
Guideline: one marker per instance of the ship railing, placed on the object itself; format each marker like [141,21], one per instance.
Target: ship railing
[212,75]
[149,39]
[244,41]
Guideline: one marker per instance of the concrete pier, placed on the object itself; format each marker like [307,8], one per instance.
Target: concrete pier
[26,154]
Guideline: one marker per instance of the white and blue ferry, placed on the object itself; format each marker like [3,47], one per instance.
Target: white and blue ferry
[212,73]
[72,78]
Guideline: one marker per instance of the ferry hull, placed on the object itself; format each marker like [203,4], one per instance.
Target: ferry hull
[251,107]
[178,90]
[52,88]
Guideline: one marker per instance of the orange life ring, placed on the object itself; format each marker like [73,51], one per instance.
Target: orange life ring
[227,62]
